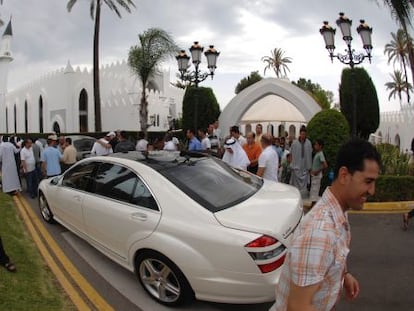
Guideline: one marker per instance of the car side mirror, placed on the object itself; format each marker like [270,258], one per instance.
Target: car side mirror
[55,181]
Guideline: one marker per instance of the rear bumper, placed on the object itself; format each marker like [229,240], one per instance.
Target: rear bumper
[238,288]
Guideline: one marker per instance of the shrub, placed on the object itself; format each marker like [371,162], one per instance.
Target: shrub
[332,127]
[393,188]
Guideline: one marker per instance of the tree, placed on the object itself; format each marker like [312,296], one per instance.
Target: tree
[207,108]
[155,46]
[247,81]
[95,11]
[322,97]
[401,11]
[356,82]
[398,85]
[397,51]
[332,127]
[277,62]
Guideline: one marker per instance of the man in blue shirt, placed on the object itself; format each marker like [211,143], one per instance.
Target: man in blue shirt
[193,143]
[51,158]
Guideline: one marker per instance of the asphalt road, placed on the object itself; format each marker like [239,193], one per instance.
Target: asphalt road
[382,259]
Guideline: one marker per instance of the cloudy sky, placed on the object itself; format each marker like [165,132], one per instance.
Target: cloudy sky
[46,36]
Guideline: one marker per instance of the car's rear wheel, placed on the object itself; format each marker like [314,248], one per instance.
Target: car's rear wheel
[162,279]
[45,211]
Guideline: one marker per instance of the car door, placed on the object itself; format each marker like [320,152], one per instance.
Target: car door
[121,212]
[69,195]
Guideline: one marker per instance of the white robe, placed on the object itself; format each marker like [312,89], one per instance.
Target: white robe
[301,164]
[9,174]
[238,158]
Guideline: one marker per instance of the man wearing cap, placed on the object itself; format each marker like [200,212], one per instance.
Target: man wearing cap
[102,146]
[51,158]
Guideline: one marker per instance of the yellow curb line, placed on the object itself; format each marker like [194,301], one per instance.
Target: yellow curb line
[67,286]
[83,284]
[403,205]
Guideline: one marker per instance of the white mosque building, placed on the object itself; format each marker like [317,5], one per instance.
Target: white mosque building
[62,101]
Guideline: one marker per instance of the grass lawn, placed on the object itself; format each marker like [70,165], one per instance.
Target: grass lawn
[33,286]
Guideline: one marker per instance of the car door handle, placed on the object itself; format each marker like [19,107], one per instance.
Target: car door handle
[139,216]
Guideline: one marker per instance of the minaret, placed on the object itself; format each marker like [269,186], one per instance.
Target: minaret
[5,59]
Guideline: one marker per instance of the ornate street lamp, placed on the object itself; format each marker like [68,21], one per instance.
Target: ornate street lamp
[196,76]
[350,57]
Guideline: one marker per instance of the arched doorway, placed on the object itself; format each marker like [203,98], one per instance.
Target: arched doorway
[15,118]
[56,128]
[292,131]
[284,99]
[7,120]
[26,122]
[40,114]
[397,141]
[281,130]
[83,111]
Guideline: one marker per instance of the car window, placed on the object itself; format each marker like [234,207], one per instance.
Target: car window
[80,176]
[212,183]
[83,144]
[143,197]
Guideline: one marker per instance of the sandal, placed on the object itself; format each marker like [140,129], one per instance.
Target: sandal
[405,222]
[10,267]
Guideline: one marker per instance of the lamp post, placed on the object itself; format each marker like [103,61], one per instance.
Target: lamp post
[350,57]
[196,76]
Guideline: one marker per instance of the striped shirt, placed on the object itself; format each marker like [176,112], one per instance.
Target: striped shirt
[317,254]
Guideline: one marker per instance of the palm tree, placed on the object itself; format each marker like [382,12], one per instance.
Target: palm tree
[397,51]
[155,46]
[398,85]
[401,11]
[95,11]
[277,62]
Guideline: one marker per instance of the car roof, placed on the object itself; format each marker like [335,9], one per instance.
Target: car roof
[160,159]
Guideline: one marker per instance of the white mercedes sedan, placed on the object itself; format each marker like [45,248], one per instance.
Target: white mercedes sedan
[187,225]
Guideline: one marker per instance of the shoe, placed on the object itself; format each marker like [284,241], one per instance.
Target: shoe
[10,267]
[405,222]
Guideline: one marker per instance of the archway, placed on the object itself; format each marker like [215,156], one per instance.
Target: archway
[83,111]
[397,141]
[26,119]
[292,130]
[15,117]
[40,114]
[284,99]
[56,127]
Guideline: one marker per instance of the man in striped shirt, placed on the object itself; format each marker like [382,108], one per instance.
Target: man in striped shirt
[315,269]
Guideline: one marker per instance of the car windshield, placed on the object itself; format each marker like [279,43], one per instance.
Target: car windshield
[212,183]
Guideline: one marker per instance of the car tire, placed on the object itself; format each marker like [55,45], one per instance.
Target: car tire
[162,279]
[45,211]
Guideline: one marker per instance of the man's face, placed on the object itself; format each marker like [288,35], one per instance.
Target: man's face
[259,129]
[61,141]
[229,150]
[188,134]
[29,144]
[316,147]
[210,129]
[250,139]
[302,136]
[360,185]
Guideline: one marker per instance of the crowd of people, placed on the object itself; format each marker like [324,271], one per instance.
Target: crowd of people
[297,162]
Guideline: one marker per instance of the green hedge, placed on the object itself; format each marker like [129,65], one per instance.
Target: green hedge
[393,188]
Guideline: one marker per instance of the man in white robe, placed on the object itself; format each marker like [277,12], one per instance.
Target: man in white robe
[9,174]
[301,151]
[234,154]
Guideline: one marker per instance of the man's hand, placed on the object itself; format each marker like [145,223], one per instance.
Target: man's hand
[351,286]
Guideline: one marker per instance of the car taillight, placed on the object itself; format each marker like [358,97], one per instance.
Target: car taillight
[267,252]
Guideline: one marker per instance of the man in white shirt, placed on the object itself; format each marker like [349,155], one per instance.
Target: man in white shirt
[28,164]
[142,143]
[235,133]
[102,147]
[205,141]
[268,159]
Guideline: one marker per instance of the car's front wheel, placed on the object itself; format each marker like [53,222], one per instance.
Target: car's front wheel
[162,279]
[45,211]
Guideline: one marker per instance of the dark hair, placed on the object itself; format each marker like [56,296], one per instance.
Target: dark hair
[353,153]
[123,134]
[68,140]
[191,130]
[141,135]
[319,142]
[235,129]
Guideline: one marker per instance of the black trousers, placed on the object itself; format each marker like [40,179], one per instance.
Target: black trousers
[3,256]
